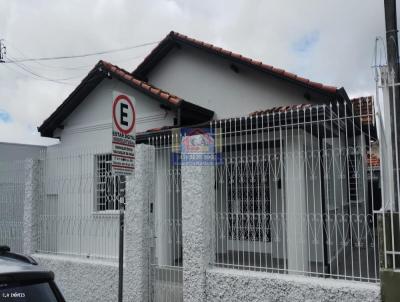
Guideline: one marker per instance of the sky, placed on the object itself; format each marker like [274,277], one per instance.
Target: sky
[329,41]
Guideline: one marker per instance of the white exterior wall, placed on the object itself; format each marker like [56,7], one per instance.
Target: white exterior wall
[69,195]
[207,80]
[90,123]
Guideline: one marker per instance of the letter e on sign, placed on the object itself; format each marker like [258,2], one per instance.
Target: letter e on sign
[123,134]
[124,115]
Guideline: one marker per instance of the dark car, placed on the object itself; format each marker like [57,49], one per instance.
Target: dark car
[22,280]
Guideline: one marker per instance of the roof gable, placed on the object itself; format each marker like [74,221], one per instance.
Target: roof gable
[174,39]
[103,70]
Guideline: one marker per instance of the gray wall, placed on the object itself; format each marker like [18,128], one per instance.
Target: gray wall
[241,286]
[83,279]
[11,151]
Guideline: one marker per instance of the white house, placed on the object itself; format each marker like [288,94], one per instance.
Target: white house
[292,179]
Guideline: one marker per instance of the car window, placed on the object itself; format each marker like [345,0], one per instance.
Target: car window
[27,292]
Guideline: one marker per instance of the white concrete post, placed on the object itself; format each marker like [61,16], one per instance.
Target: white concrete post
[197,204]
[33,185]
[139,192]
[296,207]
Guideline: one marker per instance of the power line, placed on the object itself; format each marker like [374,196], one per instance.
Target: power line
[39,76]
[27,75]
[80,67]
[81,55]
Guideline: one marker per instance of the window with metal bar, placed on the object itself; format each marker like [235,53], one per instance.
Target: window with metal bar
[109,188]
[245,194]
[248,199]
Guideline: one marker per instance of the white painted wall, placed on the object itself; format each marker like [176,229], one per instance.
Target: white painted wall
[207,80]
[90,122]
[70,178]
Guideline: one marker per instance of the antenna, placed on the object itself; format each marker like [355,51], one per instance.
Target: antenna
[3,51]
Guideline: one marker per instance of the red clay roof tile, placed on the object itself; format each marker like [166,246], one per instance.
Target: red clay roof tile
[315,84]
[174,100]
[364,107]
[269,68]
[236,55]
[282,109]
[304,80]
[226,52]
[291,75]
[266,66]
[278,70]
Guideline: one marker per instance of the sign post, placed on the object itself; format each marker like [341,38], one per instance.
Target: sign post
[123,161]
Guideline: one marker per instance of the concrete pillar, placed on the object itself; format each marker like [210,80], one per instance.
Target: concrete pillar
[33,191]
[139,192]
[296,206]
[198,193]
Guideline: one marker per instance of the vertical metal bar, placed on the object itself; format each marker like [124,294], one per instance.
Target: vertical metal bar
[234,158]
[307,213]
[325,203]
[314,240]
[283,215]
[339,120]
[334,166]
[355,148]
[370,121]
[364,182]
[121,252]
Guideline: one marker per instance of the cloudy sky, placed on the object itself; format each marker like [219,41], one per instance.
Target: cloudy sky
[329,41]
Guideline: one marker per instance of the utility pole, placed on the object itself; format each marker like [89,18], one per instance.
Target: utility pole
[2,51]
[394,96]
[389,223]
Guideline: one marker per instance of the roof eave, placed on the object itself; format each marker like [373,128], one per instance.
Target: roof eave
[95,76]
[101,71]
[156,55]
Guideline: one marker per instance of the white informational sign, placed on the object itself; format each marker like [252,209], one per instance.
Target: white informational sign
[123,134]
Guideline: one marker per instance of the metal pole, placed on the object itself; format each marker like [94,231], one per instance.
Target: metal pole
[121,250]
[393,64]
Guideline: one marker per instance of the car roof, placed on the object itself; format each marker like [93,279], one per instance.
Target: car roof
[17,270]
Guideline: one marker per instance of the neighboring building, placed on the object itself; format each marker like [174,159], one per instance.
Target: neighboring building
[12,189]
[12,151]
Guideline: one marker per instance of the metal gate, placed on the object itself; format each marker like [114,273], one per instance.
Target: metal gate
[165,270]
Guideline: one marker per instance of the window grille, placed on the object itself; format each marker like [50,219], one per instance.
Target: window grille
[248,199]
[110,189]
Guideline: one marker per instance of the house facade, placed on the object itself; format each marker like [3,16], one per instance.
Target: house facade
[289,196]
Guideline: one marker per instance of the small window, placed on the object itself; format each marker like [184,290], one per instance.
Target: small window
[109,189]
